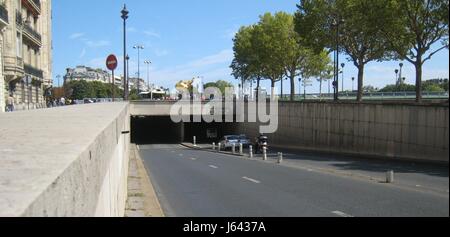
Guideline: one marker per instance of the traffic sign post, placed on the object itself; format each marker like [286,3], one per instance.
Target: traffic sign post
[111,64]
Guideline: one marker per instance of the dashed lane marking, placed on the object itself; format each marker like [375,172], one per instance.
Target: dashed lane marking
[252,180]
[341,214]
[213,166]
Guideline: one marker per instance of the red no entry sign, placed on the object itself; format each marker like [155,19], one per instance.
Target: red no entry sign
[111,62]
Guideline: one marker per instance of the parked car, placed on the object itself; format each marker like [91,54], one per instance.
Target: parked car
[228,141]
[246,142]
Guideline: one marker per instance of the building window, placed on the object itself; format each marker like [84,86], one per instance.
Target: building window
[19,46]
[37,94]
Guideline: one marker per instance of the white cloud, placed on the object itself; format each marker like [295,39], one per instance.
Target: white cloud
[76,35]
[83,53]
[97,44]
[152,33]
[212,68]
[221,57]
[230,33]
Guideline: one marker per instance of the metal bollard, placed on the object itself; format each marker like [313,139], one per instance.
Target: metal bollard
[241,149]
[195,141]
[218,147]
[390,177]
[264,153]
[250,148]
[214,146]
[280,157]
[233,148]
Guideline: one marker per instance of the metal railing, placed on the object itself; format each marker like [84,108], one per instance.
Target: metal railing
[37,3]
[33,71]
[367,96]
[33,33]
[3,13]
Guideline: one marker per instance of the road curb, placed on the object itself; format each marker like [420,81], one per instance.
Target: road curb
[151,206]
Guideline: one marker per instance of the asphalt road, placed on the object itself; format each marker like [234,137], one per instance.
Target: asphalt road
[193,183]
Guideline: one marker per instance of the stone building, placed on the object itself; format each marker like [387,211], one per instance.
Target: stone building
[25,52]
[87,74]
[90,74]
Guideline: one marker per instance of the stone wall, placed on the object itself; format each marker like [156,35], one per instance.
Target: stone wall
[394,130]
[66,161]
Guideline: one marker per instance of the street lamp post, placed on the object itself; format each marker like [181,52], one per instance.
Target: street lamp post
[299,87]
[336,24]
[127,80]
[148,78]
[125,56]
[353,84]
[58,77]
[396,76]
[400,75]
[343,66]
[138,47]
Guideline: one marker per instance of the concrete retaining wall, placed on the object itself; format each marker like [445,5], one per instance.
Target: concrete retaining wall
[67,161]
[380,129]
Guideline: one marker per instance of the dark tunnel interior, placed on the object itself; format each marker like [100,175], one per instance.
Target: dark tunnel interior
[162,130]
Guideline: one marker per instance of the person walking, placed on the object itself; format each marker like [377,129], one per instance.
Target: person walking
[10,104]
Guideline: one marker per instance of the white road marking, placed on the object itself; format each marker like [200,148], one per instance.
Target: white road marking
[213,166]
[341,214]
[193,158]
[138,148]
[181,155]
[252,180]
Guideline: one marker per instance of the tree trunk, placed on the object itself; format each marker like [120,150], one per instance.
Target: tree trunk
[360,82]
[281,88]
[272,96]
[418,66]
[258,80]
[320,89]
[292,78]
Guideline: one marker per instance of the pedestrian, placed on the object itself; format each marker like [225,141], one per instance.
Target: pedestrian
[10,104]
[63,101]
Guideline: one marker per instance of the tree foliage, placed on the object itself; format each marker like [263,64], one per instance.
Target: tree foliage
[220,84]
[272,50]
[421,25]
[360,23]
[79,90]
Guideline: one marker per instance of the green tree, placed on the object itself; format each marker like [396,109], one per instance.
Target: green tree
[421,25]
[398,88]
[246,64]
[270,49]
[220,84]
[78,90]
[362,23]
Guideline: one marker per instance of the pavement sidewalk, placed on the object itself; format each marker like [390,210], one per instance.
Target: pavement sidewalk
[412,175]
[142,200]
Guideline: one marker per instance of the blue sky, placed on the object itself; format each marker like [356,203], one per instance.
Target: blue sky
[183,39]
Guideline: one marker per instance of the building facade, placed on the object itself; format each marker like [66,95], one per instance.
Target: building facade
[26,52]
[91,74]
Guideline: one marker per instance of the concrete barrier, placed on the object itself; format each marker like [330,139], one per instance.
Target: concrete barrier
[384,129]
[66,161]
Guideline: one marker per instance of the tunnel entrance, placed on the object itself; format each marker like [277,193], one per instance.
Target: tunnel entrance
[155,130]
[162,130]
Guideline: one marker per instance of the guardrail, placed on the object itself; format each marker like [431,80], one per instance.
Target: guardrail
[366,96]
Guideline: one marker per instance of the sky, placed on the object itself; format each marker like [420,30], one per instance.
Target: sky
[184,39]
